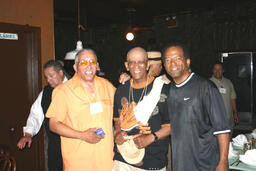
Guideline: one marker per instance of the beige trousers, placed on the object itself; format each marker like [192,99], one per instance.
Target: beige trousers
[120,166]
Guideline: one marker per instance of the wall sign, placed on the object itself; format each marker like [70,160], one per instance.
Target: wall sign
[9,36]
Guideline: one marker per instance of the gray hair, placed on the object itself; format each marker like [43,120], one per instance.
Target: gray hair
[57,65]
[81,51]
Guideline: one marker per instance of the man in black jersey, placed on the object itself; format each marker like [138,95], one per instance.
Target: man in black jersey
[199,125]
[155,143]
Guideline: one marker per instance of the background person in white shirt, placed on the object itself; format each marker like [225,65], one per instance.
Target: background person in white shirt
[54,74]
[227,91]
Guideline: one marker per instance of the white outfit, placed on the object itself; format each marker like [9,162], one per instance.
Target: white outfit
[36,116]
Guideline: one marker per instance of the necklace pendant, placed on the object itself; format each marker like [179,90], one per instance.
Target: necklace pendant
[133,103]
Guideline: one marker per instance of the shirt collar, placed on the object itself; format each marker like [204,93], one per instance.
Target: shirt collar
[184,82]
[77,82]
[65,79]
[217,79]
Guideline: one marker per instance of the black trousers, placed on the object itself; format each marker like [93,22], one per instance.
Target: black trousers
[54,157]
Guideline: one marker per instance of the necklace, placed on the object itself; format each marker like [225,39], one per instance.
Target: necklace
[92,93]
[144,91]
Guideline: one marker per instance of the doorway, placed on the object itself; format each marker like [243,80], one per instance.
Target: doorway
[20,85]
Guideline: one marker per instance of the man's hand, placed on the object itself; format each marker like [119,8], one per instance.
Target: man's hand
[144,129]
[236,119]
[90,136]
[142,140]
[164,77]
[222,166]
[124,77]
[119,137]
[27,139]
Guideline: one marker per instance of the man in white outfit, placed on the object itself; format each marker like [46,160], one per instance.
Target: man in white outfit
[54,74]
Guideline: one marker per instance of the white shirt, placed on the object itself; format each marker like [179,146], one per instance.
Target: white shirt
[36,116]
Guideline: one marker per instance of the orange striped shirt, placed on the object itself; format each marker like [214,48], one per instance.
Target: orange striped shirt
[71,105]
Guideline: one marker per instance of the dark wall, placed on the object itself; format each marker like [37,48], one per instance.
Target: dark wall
[207,33]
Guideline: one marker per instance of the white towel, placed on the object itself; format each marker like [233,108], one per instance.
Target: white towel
[232,153]
[249,157]
[254,133]
[240,140]
[144,108]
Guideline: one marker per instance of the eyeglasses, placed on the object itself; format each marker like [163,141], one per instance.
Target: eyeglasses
[140,63]
[85,62]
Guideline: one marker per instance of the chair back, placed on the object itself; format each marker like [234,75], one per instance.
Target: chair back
[7,162]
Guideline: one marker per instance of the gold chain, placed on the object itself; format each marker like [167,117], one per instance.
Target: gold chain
[132,90]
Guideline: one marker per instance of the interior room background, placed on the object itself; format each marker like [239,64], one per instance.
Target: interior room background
[206,31]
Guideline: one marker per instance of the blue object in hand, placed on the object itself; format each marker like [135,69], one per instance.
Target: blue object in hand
[100,132]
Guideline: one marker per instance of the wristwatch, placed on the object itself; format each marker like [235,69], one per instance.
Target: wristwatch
[156,137]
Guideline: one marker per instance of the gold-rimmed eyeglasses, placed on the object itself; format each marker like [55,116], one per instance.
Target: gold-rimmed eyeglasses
[140,63]
[85,62]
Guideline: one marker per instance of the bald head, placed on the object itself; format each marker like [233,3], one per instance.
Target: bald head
[137,64]
[137,50]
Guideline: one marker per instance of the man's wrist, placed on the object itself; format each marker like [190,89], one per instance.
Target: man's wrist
[155,136]
[27,135]
[225,162]
[117,132]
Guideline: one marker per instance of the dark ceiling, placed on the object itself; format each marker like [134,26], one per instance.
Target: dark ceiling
[141,12]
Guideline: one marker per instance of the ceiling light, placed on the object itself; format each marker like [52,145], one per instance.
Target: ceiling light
[72,54]
[129,36]
[79,46]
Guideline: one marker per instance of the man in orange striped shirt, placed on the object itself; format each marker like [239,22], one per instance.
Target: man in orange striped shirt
[79,107]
